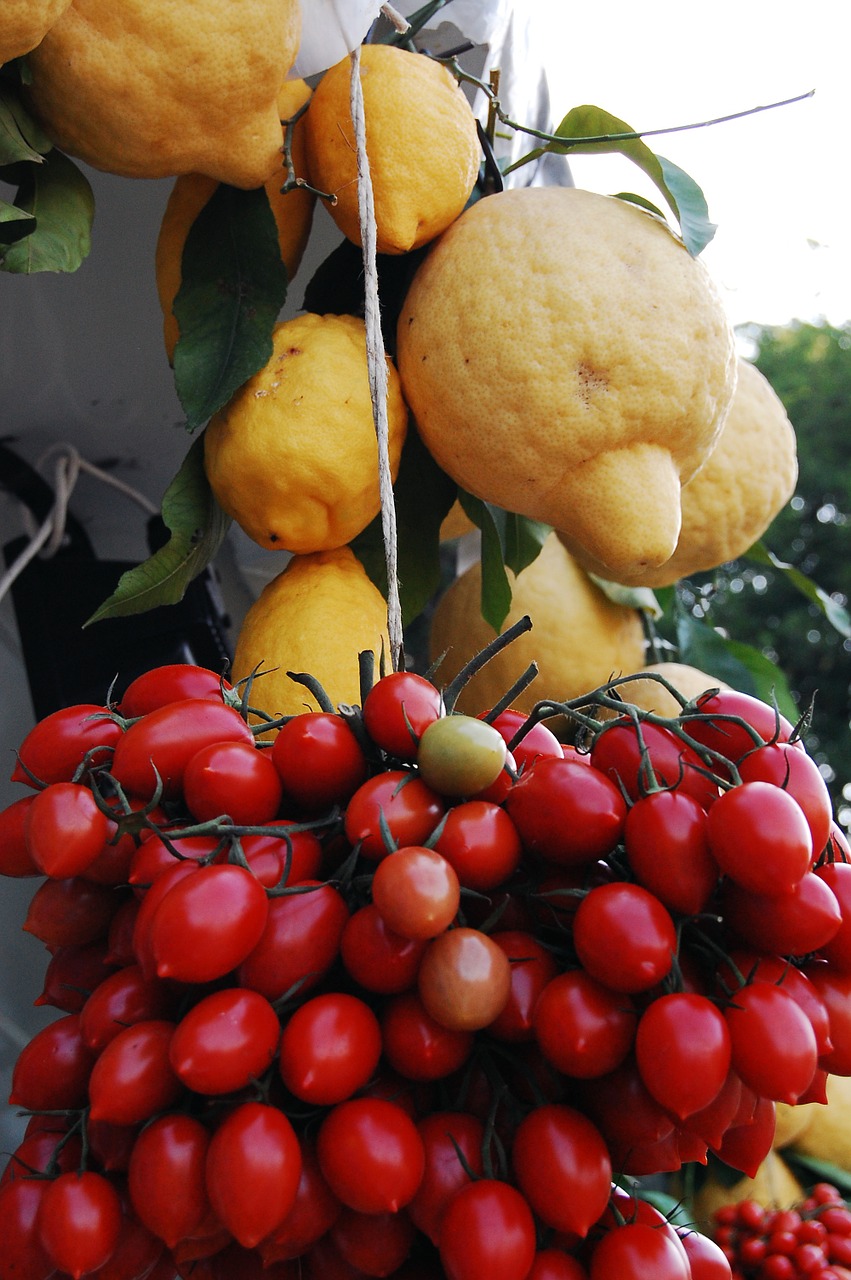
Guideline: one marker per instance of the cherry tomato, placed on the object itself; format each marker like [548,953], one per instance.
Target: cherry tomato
[668,850]
[163,882]
[57,746]
[15,857]
[24,1255]
[132,1079]
[773,1043]
[416,1044]
[373,1243]
[224,1041]
[65,829]
[157,854]
[635,1251]
[791,769]
[79,1221]
[319,760]
[460,755]
[683,1051]
[43,1151]
[70,912]
[794,923]
[834,988]
[397,710]
[207,923]
[315,1210]
[481,842]
[555,1264]
[717,723]
[707,1260]
[488,1230]
[624,937]
[253,1170]
[566,812]
[745,1146]
[71,974]
[453,1142]
[464,979]
[396,801]
[837,876]
[562,1166]
[174,682]
[377,958]
[783,973]
[532,967]
[760,838]
[52,1070]
[329,1048]
[286,859]
[666,761]
[156,749]
[299,943]
[233,778]
[139,1253]
[582,1027]
[526,744]
[371,1155]
[166,1176]
[416,892]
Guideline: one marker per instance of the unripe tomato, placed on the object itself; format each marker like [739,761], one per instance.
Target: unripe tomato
[464,979]
[460,755]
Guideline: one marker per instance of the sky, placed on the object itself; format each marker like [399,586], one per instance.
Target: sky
[777,183]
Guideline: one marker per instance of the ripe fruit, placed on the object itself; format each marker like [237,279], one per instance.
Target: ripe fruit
[23,23]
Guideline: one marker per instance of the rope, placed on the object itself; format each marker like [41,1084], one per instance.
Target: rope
[376,363]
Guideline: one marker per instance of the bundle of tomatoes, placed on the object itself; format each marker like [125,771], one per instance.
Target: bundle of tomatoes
[397,991]
[812,1239]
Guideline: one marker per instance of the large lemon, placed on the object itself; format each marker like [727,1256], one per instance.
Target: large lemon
[566,358]
[421,143]
[315,617]
[293,456]
[293,214]
[579,637]
[153,88]
[23,23]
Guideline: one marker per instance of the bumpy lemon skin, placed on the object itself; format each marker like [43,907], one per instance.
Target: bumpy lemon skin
[24,23]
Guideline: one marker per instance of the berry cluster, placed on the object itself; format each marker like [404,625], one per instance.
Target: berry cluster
[809,1242]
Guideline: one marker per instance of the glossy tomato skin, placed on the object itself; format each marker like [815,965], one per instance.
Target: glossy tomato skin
[635,1251]
[286,859]
[772,1040]
[224,1041]
[624,937]
[70,912]
[80,1221]
[683,1051]
[319,760]
[377,958]
[416,1045]
[371,1155]
[562,1166]
[233,778]
[714,723]
[460,756]
[445,1134]
[583,1028]
[788,767]
[299,943]
[566,812]
[532,967]
[59,744]
[132,1079]
[488,1230]
[837,876]
[706,1259]
[410,809]
[534,743]
[24,1254]
[207,923]
[481,843]
[617,752]
[794,923]
[71,973]
[166,1179]
[52,1070]
[66,829]
[397,710]
[163,742]
[314,1211]
[173,682]
[121,1000]
[464,979]
[253,1168]
[15,858]
[416,892]
[760,838]
[330,1048]
[668,850]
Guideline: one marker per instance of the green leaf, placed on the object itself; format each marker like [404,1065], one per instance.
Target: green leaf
[423,495]
[20,137]
[496,589]
[836,614]
[740,665]
[232,289]
[15,223]
[522,540]
[59,197]
[197,525]
[681,192]
[641,598]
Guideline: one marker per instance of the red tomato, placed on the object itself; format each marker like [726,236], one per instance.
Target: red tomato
[329,1048]
[745,1146]
[319,760]
[416,892]
[70,912]
[532,967]
[42,1150]
[562,1166]
[166,1176]
[371,1155]
[156,749]
[373,1243]
[174,682]
[377,958]
[666,761]
[79,1221]
[416,1045]
[65,829]
[583,1028]
[488,1230]
[837,876]
[624,937]
[790,768]
[782,973]
[233,778]
[57,746]
[207,923]
[72,973]
[834,988]
[397,801]
[773,1043]
[24,1255]
[566,812]
[481,843]
[636,1251]
[299,943]
[683,1051]
[52,1071]
[555,1264]
[150,902]
[224,1041]
[706,1259]
[668,850]
[760,838]
[720,721]
[253,1170]
[453,1142]
[396,711]
[315,1210]
[286,859]
[526,744]
[15,857]
[132,1079]
[157,854]
[794,923]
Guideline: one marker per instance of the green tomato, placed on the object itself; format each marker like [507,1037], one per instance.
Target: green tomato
[460,755]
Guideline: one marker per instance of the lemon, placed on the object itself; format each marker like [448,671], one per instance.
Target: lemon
[421,142]
[792,1122]
[747,479]
[828,1134]
[579,637]
[23,23]
[293,215]
[456,523]
[774,1185]
[293,456]
[651,695]
[154,88]
[316,617]
[566,358]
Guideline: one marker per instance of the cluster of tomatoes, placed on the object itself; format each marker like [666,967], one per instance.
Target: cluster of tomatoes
[396,991]
[809,1242]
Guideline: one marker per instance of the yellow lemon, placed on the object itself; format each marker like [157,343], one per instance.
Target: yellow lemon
[421,143]
[315,617]
[651,695]
[23,23]
[828,1134]
[293,215]
[456,523]
[579,637]
[566,358]
[746,480]
[154,88]
[293,456]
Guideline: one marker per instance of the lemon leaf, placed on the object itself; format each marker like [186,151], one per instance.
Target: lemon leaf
[197,526]
[15,223]
[233,285]
[836,614]
[496,589]
[740,665]
[641,598]
[20,137]
[59,198]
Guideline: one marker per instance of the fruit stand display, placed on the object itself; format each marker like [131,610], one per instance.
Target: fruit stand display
[434,934]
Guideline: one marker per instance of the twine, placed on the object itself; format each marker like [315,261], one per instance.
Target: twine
[376,362]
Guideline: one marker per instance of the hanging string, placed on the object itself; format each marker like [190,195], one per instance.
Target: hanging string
[376,362]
